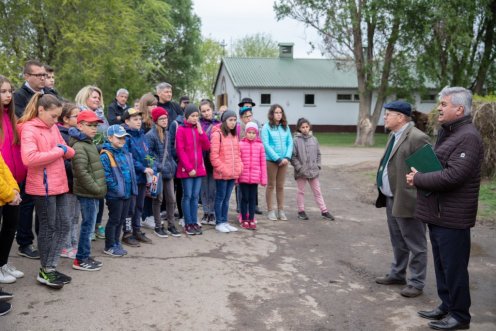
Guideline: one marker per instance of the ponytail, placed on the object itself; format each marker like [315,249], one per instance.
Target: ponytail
[46,101]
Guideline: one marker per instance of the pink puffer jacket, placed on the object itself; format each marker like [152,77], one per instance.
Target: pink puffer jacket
[225,155]
[189,148]
[254,164]
[39,152]
[11,152]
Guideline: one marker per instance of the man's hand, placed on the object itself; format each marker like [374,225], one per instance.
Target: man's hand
[409,177]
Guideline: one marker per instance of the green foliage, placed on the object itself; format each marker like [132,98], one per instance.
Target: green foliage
[257,45]
[484,98]
[487,201]
[211,52]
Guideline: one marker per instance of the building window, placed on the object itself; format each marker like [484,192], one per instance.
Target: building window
[429,98]
[309,99]
[265,99]
[348,98]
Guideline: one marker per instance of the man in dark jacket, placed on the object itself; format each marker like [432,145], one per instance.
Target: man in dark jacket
[406,233]
[117,107]
[447,202]
[35,76]
[164,98]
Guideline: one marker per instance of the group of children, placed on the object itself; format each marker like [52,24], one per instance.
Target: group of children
[67,173]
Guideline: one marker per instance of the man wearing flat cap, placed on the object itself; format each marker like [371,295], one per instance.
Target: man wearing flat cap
[407,235]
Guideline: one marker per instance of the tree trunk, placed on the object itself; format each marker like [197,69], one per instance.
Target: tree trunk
[488,46]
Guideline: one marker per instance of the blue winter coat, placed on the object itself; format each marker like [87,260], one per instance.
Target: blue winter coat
[278,143]
[137,146]
[119,175]
[157,149]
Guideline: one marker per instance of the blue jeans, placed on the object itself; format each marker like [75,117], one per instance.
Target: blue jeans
[189,202]
[89,210]
[222,195]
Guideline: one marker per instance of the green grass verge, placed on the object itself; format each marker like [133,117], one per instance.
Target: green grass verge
[346,139]
[487,200]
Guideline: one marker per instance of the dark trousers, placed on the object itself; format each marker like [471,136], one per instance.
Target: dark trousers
[9,216]
[178,185]
[117,210]
[99,215]
[136,208]
[451,252]
[248,201]
[25,236]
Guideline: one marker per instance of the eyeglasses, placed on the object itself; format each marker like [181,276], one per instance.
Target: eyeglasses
[91,125]
[247,116]
[38,75]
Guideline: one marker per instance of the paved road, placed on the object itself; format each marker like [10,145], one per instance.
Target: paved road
[293,275]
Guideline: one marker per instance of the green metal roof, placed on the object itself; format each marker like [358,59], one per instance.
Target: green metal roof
[290,73]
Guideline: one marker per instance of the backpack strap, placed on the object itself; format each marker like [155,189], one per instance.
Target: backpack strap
[113,164]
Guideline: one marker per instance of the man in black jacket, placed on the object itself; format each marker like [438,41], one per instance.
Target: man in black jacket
[117,107]
[447,202]
[35,76]
[164,98]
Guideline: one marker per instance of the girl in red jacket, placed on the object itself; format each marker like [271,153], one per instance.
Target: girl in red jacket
[254,173]
[226,160]
[43,151]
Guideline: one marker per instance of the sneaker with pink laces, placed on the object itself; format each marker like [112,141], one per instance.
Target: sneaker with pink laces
[245,225]
[68,253]
[253,225]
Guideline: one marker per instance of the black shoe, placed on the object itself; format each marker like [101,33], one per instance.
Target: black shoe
[5,296]
[4,308]
[63,277]
[95,262]
[160,232]
[258,211]
[50,279]
[386,280]
[410,291]
[449,323]
[141,237]
[129,240]
[435,314]
[302,216]
[29,251]
[173,231]
[327,215]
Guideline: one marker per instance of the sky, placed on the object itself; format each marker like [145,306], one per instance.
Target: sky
[228,20]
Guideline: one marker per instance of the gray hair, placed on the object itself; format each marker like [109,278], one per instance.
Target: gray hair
[122,91]
[162,86]
[460,96]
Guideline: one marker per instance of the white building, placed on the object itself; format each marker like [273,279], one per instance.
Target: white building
[322,90]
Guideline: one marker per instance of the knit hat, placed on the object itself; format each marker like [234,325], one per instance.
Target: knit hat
[242,110]
[228,113]
[251,126]
[399,106]
[157,112]
[190,109]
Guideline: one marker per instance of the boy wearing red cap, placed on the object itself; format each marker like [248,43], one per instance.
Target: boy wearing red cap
[89,184]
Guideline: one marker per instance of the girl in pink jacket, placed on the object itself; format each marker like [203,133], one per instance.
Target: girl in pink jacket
[43,151]
[191,141]
[254,173]
[226,160]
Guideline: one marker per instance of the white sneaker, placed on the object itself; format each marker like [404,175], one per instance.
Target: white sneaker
[230,227]
[149,222]
[272,215]
[222,228]
[6,278]
[11,270]
[282,215]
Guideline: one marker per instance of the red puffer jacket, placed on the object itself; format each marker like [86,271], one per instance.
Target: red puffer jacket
[225,155]
[254,164]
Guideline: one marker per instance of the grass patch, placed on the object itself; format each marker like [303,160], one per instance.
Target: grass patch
[487,200]
[346,139]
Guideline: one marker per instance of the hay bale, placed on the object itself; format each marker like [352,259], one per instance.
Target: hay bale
[484,118]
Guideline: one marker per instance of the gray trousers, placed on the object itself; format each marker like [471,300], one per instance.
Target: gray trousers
[73,214]
[54,227]
[407,238]
[170,203]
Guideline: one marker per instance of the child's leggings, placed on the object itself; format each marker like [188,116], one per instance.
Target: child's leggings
[317,194]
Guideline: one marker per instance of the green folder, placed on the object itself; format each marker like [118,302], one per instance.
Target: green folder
[424,160]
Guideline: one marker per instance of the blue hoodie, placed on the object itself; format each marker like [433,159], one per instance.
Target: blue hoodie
[136,145]
[121,178]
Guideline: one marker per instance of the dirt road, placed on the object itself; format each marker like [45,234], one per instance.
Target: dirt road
[294,275]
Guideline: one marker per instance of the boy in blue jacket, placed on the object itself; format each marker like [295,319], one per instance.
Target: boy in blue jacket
[121,186]
[144,169]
